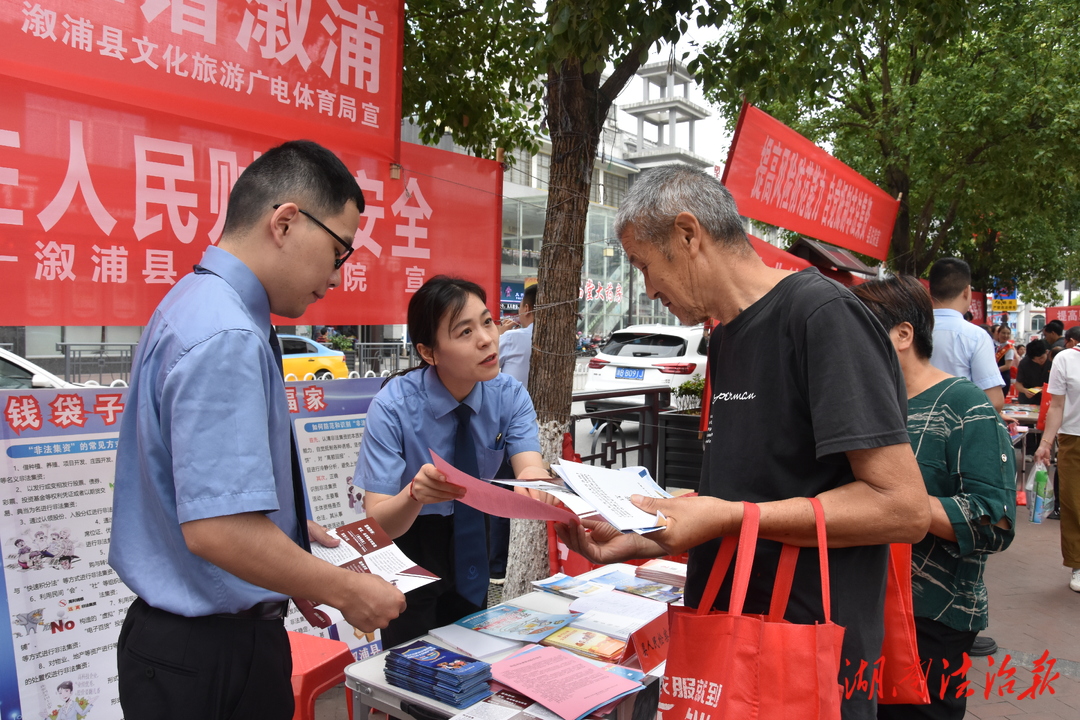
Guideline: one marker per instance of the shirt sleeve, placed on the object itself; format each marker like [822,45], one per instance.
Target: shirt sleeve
[381,464]
[981,457]
[1059,381]
[215,422]
[984,368]
[857,398]
[522,434]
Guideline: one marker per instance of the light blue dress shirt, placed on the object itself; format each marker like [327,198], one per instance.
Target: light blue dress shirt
[964,350]
[515,352]
[205,434]
[415,412]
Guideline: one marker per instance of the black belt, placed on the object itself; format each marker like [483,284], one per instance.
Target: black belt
[260,611]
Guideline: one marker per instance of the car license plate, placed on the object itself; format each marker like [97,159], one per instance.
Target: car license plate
[629,373]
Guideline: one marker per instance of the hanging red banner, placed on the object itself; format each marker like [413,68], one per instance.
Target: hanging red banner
[775,257]
[779,177]
[1067,314]
[103,206]
[329,70]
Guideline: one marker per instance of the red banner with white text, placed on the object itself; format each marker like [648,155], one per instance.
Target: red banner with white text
[103,206]
[1069,315]
[328,70]
[779,177]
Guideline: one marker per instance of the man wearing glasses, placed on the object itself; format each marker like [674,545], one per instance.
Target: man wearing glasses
[209,525]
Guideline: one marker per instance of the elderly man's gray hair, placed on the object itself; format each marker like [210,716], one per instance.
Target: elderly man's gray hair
[661,193]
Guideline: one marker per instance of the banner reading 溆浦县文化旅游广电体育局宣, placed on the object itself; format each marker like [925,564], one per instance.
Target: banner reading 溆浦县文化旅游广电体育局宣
[114,179]
[779,177]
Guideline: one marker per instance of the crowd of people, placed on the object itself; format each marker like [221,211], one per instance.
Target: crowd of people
[884,404]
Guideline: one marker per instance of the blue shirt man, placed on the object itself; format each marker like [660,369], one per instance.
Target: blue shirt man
[210,319]
[515,352]
[205,524]
[960,348]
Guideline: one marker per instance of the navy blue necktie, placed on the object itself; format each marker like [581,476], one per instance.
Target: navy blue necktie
[470,529]
[297,477]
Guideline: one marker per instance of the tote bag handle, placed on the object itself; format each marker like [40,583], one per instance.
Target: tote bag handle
[785,573]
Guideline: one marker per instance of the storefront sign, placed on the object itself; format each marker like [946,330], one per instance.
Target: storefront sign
[104,206]
[779,177]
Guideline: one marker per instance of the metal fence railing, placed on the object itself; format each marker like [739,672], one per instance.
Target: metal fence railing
[101,363]
[382,359]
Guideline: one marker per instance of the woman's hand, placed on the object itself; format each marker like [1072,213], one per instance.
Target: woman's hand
[430,486]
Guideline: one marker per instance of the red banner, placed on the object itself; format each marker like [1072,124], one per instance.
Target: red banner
[778,176]
[325,69]
[1067,314]
[104,206]
[777,258]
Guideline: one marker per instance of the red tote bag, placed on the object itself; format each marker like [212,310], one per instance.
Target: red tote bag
[903,680]
[751,667]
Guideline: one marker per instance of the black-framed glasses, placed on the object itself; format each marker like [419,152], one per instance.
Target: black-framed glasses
[340,259]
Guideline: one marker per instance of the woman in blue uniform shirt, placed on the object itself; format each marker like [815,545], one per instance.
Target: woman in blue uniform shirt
[458,343]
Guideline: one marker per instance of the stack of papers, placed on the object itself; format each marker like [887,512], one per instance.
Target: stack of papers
[438,673]
[512,622]
[569,686]
[609,490]
[663,571]
[587,643]
[604,578]
[472,643]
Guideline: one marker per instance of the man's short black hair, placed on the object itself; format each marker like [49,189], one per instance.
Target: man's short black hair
[1073,333]
[529,297]
[948,278]
[1037,348]
[1055,326]
[298,171]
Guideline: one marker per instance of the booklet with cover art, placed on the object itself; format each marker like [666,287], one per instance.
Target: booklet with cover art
[365,548]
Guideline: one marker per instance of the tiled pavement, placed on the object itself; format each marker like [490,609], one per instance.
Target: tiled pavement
[1032,610]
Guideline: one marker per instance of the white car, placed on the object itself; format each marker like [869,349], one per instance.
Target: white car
[17,373]
[645,355]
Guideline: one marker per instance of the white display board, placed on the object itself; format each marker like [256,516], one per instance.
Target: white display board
[64,603]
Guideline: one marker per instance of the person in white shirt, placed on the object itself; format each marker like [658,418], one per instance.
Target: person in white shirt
[515,346]
[960,348]
[1063,423]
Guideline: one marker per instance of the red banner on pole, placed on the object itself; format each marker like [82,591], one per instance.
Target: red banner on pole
[1069,315]
[778,176]
[329,70]
[104,206]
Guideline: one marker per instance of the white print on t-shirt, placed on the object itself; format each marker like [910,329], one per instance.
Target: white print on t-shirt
[725,396]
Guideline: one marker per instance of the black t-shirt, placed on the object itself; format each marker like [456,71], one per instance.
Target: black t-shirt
[798,378]
[1031,375]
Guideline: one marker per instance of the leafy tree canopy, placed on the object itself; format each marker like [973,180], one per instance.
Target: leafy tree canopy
[970,110]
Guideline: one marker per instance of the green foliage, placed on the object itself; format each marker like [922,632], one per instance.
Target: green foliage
[970,110]
[694,387]
[340,342]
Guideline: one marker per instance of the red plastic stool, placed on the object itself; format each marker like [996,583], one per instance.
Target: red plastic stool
[318,665]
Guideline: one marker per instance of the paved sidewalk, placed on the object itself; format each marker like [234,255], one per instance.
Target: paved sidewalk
[1032,610]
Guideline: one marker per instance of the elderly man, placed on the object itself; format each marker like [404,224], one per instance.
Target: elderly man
[808,401]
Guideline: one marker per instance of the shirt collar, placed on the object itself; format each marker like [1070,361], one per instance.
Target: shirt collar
[233,271]
[938,312]
[441,401]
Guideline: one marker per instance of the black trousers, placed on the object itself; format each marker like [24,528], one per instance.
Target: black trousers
[430,544]
[937,643]
[205,668]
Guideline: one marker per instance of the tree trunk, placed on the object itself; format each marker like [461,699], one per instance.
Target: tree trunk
[575,118]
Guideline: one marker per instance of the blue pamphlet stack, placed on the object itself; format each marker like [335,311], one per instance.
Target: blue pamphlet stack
[438,673]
